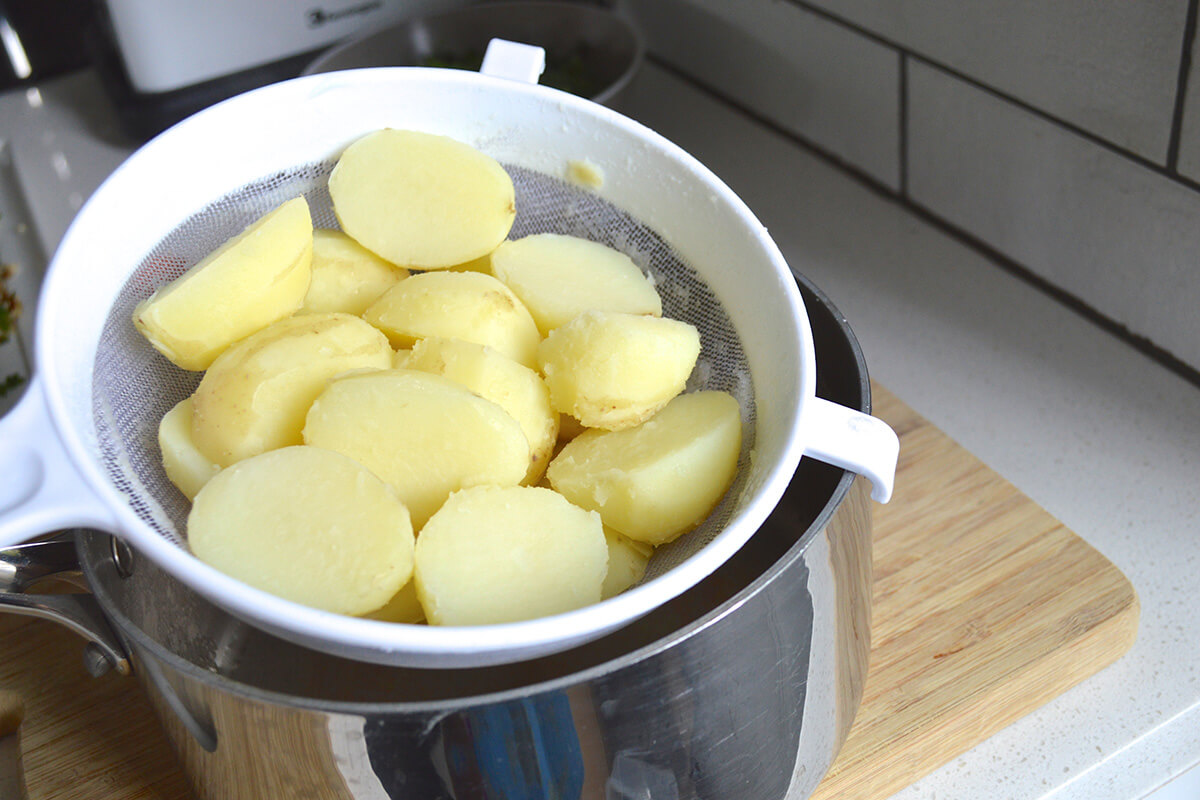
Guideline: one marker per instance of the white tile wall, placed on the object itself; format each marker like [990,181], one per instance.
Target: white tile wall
[1107,66]
[1122,238]
[816,78]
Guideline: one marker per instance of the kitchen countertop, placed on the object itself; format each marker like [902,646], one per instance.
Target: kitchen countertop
[1103,437]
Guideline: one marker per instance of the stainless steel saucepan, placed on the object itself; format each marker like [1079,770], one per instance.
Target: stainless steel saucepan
[742,687]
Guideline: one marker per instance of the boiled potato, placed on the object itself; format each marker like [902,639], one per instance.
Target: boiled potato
[254,279]
[559,277]
[627,562]
[660,479]
[613,370]
[457,305]
[308,525]
[425,435]
[256,394]
[517,389]
[494,554]
[185,465]
[403,607]
[346,276]
[421,200]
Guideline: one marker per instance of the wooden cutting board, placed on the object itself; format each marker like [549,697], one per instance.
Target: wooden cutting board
[985,607]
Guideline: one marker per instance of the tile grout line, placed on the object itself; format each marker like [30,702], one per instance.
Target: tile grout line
[1105,323]
[1142,161]
[1181,84]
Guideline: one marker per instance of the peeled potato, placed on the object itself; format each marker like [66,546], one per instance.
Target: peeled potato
[457,305]
[613,370]
[403,607]
[425,435]
[494,555]
[185,465]
[627,562]
[517,389]
[346,276]
[559,277]
[660,479]
[254,279]
[256,394]
[308,525]
[421,200]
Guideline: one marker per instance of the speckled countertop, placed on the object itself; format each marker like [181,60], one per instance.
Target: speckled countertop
[1103,437]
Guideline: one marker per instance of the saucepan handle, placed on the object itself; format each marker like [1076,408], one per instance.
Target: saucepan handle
[42,490]
[24,567]
[855,441]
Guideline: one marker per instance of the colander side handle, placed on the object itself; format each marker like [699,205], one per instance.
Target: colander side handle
[41,491]
[855,441]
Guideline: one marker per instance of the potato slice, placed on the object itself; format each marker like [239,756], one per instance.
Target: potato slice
[308,525]
[421,200]
[613,370]
[254,279]
[346,276]
[494,554]
[457,305]
[186,467]
[559,277]
[403,607]
[517,389]
[425,435]
[627,562]
[661,478]
[256,394]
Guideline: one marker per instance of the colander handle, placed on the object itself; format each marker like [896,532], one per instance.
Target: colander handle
[42,491]
[855,441]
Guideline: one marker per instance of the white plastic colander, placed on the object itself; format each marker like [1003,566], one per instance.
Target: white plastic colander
[81,447]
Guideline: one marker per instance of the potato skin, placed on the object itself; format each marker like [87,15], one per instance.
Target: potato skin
[252,280]
[308,525]
[493,555]
[256,394]
[421,200]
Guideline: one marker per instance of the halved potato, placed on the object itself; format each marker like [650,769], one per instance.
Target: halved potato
[425,435]
[613,370]
[403,607]
[517,389]
[492,555]
[252,280]
[346,276]
[308,525]
[660,479]
[559,277]
[186,467]
[256,394]
[457,305]
[627,562]
[421,200]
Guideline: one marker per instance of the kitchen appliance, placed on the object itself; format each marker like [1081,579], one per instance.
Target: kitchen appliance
[162,60]
[590,51]
[772,645]
[101,389]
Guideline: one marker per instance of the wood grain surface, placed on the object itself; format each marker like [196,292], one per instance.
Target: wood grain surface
[985,607]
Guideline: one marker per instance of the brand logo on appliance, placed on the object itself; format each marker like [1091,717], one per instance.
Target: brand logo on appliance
[320,16]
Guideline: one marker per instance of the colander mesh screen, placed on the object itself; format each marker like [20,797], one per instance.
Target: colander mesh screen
[134,386]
